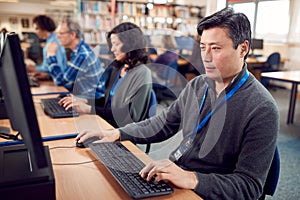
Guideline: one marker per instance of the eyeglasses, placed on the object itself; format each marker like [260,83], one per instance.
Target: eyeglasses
[62,33]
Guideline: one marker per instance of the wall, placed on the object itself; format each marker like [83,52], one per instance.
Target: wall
[13,13]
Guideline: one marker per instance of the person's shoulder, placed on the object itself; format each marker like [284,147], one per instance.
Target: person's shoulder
[142,68]
[200,79]
[259,93]
[86,50]
[141,72]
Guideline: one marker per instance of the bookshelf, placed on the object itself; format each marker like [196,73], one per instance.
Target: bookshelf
[96,17]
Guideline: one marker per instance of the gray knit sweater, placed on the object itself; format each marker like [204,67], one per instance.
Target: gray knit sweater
[233,152]
[130,102]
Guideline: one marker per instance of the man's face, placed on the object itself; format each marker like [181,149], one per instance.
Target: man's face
[221,61]
[64,35]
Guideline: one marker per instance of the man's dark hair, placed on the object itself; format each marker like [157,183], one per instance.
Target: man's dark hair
[237,24]
[44,22]
[134,43]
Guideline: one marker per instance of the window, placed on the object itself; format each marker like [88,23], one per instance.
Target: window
[248,9]
[270,19]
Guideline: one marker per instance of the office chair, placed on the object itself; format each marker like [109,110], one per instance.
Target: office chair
[164,74]
[272,63]
[272,177]
[151,113]
[164,90]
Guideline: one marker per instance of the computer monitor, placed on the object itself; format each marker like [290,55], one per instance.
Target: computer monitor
[185,42]
[27,164]
[18,99]
[257,44]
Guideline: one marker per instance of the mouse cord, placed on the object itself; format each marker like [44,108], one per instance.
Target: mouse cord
[71,163]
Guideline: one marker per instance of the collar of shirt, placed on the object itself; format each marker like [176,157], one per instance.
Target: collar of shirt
[77,49]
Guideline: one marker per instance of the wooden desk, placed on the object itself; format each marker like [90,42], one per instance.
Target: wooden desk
[181,61]
[46,87]
[253,60]
[290,77]
[93,180]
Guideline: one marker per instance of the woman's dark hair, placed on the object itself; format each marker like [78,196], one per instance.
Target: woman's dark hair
[237,24]
[44,23]
[134,44]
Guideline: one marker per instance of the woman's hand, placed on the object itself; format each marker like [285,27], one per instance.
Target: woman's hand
[79,104]
[51,49]
[104,135]
[169,172]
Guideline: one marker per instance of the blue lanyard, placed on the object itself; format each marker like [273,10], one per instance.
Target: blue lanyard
[115,86]
[227,96]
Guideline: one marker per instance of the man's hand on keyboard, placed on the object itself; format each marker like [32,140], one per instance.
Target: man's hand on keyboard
[79,104]
[104,135]
[168,171]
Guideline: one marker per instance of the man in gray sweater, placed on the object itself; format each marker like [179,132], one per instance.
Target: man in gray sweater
[228,119]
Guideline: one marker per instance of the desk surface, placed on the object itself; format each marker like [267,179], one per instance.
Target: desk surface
[252,60]
[93,180]
[291,76]
[46,87]
[84,181]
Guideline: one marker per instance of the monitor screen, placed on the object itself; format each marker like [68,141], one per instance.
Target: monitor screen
[18,99]
[257,43]
[185,42]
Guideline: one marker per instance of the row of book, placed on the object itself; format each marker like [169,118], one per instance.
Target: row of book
[133,9]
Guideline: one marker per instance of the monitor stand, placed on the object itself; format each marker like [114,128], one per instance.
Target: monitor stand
[17,178]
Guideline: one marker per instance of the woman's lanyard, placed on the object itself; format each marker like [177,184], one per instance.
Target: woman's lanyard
[183,148]
[115,86]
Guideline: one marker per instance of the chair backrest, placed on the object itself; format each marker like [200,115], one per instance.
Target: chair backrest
[273,175]
[168,62]
[152,106]
[151,113]
[170,71]
[273,60]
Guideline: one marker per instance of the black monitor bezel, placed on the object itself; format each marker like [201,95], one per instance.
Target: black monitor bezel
[18,99]
[257,43]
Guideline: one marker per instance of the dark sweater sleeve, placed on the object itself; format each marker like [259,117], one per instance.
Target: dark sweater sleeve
[156,129]
[134,108]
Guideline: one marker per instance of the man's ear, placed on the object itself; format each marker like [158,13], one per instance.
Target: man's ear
[244,48]
[73,34]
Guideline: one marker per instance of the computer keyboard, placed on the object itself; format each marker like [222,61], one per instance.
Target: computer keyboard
[54,110]
[125,168]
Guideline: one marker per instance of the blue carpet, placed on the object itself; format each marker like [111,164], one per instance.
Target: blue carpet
[289,148]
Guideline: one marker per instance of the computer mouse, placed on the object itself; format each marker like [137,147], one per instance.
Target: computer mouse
[86,142]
